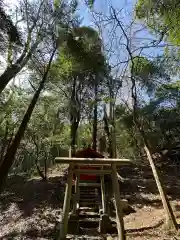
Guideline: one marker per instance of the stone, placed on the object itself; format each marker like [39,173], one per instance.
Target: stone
[126,208]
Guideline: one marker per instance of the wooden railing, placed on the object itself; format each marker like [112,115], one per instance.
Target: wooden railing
[111,168]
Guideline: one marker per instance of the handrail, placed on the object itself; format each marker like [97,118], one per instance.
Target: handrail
[91,161]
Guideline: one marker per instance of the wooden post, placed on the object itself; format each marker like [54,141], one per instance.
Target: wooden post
[66,205]
[76,197]
[103,195]
[119,213]
[170,217]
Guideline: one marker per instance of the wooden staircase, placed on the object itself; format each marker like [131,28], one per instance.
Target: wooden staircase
[86,215]
[89,206]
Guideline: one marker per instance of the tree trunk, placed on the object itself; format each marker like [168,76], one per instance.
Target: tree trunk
[4,144]
[74,128]
[7,75]
[74,115]
[113,130]
[45,168]
[12,70]
[110,128]
[41,174]
[107,131]
[95,117]
[11,152]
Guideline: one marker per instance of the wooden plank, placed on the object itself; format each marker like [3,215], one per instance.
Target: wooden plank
[76,197]
[103,195]
[92,172]
[90,161]
[89,184]
[66,205]
[119,212]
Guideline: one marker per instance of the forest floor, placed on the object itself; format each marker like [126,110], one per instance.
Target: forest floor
[29,208]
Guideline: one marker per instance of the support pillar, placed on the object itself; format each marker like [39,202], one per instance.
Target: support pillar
[76,197]
[119,212]
[103,195]
[66,206]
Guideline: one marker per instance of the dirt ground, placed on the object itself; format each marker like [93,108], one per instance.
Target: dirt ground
[29,208]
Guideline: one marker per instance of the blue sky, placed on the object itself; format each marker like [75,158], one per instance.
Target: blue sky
[118,51]
[139,38]
[127,15]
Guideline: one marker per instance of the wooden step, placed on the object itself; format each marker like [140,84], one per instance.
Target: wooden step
[88,200]
[91,190]
[93,204]
[90,185]
[84,236]
[83,215]
[88,194]
[94,208]
[88,209]
[89,223]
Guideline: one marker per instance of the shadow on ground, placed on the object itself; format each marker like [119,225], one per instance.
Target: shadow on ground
[32,194]
[33,233]
[139,186]
[36,194]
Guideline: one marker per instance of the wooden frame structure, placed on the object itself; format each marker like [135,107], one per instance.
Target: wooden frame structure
[98,162]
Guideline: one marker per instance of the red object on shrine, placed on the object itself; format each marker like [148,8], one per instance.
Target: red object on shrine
[88,153]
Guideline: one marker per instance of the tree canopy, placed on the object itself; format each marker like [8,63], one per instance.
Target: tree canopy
[162,17]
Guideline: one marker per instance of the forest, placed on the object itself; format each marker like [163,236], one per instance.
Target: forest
[89,73]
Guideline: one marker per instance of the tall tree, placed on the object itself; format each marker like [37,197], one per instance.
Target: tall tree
[83,68]
[12,149]
[138,123]
[38,21]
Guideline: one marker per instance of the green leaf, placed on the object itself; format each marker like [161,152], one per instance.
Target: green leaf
[90,3]
[162,17]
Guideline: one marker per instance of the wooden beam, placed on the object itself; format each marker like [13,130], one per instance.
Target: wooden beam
[91,161]
[86,184]
[66,205]
[76,197]
[92,172]
[103,195]
[119,212]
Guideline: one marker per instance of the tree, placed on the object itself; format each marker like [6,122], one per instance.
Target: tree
[39,21]
[7,27]
[83,67]
[162,115]
[138,123]
[162,17]
[12,149]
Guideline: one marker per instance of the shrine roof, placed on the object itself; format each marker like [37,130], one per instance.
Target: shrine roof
[89,153]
